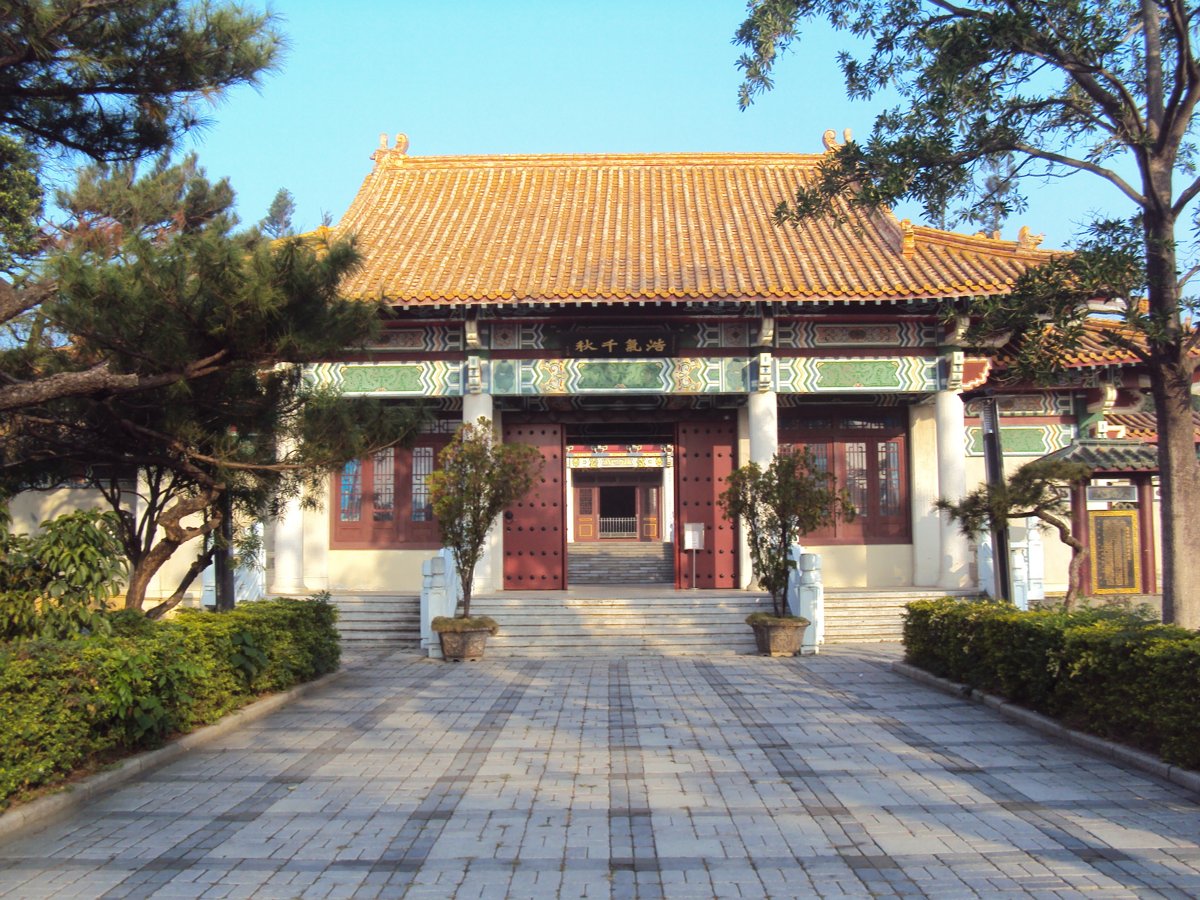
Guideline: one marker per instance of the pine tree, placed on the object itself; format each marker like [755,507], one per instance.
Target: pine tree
[151,277]
[114,80]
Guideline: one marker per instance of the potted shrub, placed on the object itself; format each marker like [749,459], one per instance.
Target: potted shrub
[475,480]
[778,505]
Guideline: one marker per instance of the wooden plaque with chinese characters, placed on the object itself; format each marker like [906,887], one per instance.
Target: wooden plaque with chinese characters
[1114,551]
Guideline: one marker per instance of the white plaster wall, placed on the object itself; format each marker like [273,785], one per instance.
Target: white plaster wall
[876,566]
[30,508]
[396,571]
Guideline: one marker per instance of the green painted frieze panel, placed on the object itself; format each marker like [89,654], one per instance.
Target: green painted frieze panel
[812,375]
[404,379]
[419,379]
[1023,440]
[612,376]
[840,374]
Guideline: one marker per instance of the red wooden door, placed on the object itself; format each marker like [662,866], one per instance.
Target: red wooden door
[705,458]
[648,513]
[534,526]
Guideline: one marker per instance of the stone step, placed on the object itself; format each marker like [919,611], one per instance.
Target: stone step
[378,619]
[648,620]
[863,616]
[620,562]
[632,548]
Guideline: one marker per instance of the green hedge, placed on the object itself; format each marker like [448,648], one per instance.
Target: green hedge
[1107,671]
[65,704]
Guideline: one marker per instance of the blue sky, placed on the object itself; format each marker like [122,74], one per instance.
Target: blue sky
[531,76]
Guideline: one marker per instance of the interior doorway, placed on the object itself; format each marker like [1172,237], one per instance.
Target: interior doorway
[618,505]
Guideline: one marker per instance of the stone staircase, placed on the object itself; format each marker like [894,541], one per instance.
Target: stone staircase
[369,619]
[640,620]
[862,616]
[620,562]
[646,621]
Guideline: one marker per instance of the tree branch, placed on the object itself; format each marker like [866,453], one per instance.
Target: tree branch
[99,379]
[1083,165]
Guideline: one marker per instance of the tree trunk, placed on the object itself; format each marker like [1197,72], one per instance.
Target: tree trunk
[147,567]
[199,564]
[175,536]
[465,578]
[1179,475]
[1171,382]
[224,574]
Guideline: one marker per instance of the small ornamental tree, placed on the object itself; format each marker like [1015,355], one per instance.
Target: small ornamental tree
[56,584]
[1035,490]
[476,479]
[780,504]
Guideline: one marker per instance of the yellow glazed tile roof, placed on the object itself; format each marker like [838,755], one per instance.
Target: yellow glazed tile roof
[671,227]
[1143,425]
[1099,345]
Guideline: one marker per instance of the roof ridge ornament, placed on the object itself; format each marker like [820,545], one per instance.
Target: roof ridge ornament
[388,157]
[829,139]
[1027,239]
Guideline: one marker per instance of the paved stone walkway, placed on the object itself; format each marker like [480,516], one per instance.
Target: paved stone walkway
[644,777]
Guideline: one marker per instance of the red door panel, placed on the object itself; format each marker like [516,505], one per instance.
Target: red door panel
[705,453]
[534,526]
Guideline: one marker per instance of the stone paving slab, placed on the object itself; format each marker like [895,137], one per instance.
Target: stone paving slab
[825,776]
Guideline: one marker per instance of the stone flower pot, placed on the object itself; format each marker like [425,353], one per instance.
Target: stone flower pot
[463,638]
[458,646]
[775,636]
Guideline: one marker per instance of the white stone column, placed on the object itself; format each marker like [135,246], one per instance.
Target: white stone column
[316,544]
[476,405]
[667,532]
[923,492]
[762,431]
[1037,559]
[289,550]
[764,427]
[954,571]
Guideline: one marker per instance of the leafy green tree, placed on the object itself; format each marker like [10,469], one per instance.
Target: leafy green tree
[779,505]
[476,479]
[1108,89]
[151,277]
[56,584]
[1034,490]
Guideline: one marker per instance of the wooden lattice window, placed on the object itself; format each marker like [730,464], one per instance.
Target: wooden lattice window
[867,452]
[383,501]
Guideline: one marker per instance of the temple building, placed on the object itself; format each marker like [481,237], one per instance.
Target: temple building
[642,321]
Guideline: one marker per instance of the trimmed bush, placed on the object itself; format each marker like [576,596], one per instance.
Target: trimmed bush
[67,704]
[1108,671]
